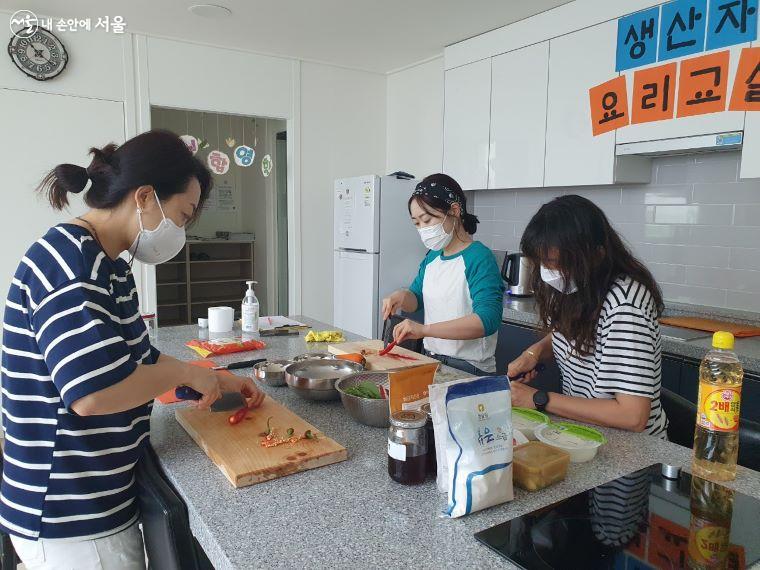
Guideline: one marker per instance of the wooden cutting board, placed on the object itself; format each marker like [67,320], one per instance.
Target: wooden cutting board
[711,325]
[376,362]
[236,450]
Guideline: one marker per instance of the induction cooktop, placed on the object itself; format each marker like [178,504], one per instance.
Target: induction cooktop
[641,521]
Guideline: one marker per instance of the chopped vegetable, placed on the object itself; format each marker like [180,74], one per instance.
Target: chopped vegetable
[269,439]
[353,357]
[324,336]
[364,389]
[269,428]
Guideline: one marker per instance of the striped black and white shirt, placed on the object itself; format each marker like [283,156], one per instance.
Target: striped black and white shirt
[72,327]
[627,355]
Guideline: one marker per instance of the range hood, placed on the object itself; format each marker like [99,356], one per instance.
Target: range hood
[683,145]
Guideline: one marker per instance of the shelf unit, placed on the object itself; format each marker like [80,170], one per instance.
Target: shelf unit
[187,286]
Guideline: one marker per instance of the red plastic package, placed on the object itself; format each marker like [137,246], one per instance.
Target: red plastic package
[219,346]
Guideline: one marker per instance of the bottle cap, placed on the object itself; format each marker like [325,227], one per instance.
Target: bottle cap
[408,419]
[724,340]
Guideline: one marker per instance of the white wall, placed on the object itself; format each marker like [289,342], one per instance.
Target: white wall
[415,119]
[44,123]
[342,134]
[336,122]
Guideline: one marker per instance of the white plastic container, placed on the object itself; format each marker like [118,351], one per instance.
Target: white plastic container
[582,443]
[527,421]
[250,310]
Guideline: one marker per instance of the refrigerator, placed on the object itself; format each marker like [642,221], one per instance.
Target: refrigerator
[377,249]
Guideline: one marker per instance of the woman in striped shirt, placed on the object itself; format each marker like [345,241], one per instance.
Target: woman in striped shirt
[78,371]
[601,307]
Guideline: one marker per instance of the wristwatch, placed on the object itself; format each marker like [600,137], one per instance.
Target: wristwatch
[541,400]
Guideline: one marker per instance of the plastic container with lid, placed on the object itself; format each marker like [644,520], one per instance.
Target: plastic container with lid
[527,420]
[582,443]
[537,465]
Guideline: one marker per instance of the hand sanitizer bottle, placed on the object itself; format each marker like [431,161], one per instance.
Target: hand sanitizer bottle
[250,310]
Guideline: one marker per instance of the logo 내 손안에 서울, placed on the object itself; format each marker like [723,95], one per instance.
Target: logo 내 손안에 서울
[23,23]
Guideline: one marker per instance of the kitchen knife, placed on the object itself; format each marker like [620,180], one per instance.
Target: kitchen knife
[240,364]
[278,332]
[540,367]
[228,401]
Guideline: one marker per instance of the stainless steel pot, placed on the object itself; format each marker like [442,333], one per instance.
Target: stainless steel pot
[272,372]
[315,379]
[516,272]
[365,410]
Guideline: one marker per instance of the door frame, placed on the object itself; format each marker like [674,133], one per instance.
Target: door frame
[137,120]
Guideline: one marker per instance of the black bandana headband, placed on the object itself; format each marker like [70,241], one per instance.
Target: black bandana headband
[437,191]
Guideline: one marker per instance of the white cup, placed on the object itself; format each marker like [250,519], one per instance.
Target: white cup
[220,319]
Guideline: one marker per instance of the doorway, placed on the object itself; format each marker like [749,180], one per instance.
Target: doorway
[237,237]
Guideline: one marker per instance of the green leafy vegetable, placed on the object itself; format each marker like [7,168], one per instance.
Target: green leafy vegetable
[364,389]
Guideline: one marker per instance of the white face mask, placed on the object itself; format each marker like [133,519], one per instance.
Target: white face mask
[435,237]
[555,279]
[158,245]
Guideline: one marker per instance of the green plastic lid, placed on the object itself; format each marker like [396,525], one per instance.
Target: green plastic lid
[531,415]
[581,432]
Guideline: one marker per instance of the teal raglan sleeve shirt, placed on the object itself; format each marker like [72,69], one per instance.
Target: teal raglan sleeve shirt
[486,286]
[416,286]
[483,280]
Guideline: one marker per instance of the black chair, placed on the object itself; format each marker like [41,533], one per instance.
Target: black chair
[682,415]
[413,345]
[169,543]
[8,557]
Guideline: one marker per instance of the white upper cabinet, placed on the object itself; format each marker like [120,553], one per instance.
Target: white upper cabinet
[518,118]
[467,114]
[579,61]
[684,126]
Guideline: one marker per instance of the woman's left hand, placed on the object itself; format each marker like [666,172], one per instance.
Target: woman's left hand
[408,329]
[522,395]
[245,386]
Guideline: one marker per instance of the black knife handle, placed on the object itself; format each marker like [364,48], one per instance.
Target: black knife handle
[244,364]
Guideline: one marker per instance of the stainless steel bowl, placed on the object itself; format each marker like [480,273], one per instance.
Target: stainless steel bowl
[314,356]
[272,372]
[315,379]
[366,411]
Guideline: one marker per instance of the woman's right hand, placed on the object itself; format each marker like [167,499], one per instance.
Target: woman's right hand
[393,303]
[525,363]
[205,382]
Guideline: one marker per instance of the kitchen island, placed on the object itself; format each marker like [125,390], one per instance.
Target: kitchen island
[352,514]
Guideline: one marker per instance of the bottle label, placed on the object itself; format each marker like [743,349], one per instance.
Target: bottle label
[397,450]
[708,542]
[718,408]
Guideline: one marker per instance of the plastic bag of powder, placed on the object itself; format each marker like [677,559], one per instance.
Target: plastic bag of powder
[472,420]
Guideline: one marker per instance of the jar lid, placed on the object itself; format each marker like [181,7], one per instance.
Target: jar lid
[425,409]
[203,323]
[408,419]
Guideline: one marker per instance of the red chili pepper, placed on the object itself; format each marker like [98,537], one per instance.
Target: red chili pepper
[238,416]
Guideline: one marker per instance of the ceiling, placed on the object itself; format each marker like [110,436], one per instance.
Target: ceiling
[375,35]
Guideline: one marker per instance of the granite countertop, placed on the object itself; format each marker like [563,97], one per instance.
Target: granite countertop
[523,310]
[352,514]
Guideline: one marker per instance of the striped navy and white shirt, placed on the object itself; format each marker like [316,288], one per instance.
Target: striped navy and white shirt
[627,355]
[72,327]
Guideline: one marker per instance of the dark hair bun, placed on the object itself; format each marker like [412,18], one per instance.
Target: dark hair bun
[470,222]
[156,158]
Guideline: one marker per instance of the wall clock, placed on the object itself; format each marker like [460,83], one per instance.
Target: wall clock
[39,54]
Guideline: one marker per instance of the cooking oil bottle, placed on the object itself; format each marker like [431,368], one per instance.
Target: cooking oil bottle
[716,437]
[712,507]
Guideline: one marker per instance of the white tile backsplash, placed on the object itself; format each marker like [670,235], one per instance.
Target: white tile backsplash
[697,226]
